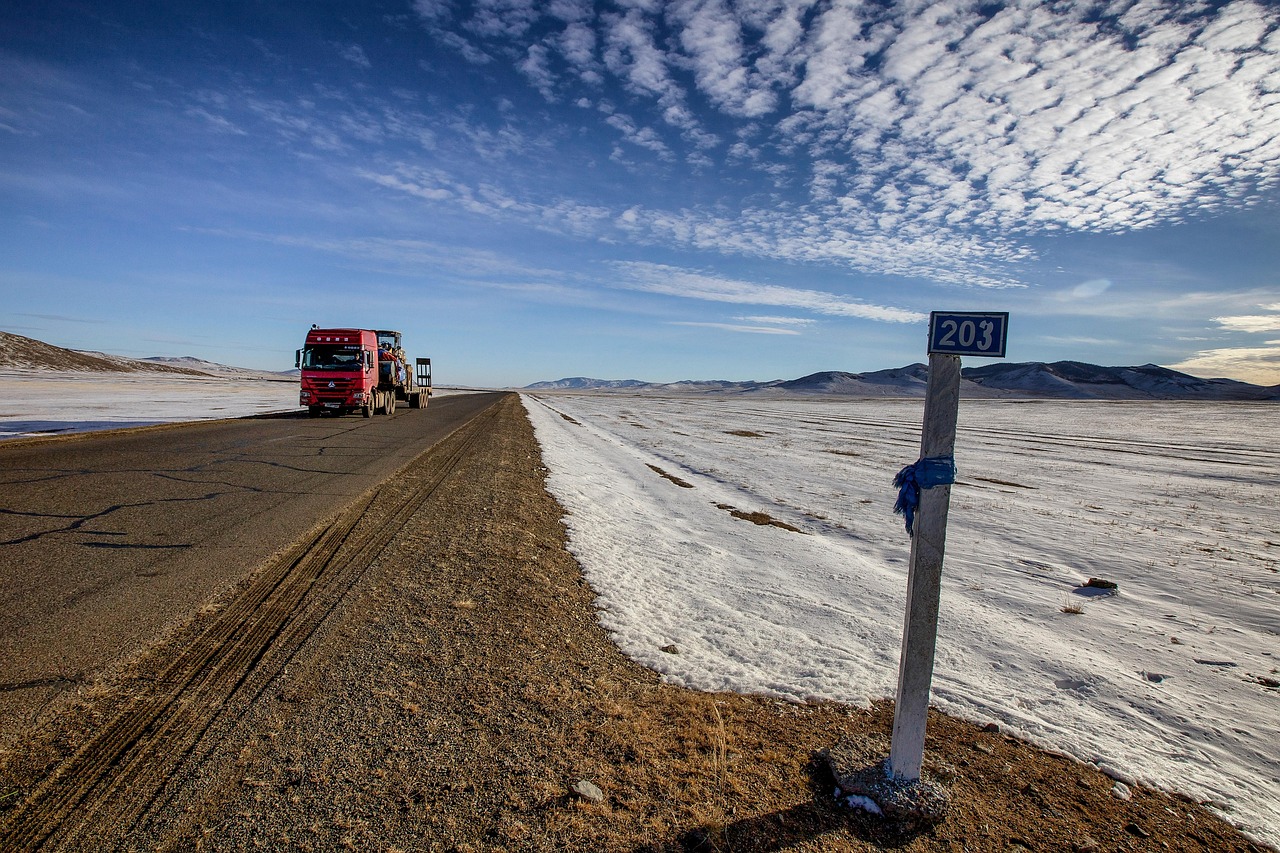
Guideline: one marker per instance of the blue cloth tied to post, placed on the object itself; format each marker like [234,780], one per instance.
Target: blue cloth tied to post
[923,474]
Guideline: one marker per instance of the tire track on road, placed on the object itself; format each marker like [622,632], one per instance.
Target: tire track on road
[116,776]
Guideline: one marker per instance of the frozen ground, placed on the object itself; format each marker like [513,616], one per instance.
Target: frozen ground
[77,402]
[1172,681]
[50,404]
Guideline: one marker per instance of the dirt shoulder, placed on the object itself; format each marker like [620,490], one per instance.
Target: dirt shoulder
[453,698]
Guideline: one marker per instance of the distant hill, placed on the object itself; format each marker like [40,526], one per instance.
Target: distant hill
[582,383]
[214,369]
[18,353]
[1061,380]
[1078,380]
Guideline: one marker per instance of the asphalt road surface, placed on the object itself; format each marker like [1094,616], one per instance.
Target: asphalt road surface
[108,540]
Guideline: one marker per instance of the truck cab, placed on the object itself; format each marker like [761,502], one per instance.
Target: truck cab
[342,370]
[339,371]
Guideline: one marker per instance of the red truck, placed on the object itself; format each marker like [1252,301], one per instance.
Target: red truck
[343,370]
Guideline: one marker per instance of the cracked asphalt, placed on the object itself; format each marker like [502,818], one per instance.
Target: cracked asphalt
[109,539]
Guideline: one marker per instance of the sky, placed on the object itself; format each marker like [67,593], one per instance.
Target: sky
[701,189]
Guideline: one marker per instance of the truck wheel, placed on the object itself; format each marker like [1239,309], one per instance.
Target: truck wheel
[391,402]
[367,409]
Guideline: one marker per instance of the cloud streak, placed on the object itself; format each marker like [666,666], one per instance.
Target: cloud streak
[673,281]
[733,327]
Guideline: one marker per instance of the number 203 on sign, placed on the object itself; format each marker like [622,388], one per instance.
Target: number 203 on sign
[968,333]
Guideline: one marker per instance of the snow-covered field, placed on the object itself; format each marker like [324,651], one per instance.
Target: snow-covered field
[56,404]
[75,402]
[1172,681]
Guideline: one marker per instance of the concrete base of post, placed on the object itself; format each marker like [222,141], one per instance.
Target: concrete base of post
[863,781]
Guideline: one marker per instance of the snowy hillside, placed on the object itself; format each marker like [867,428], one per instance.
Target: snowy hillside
[1174,679]
[1075,379]
[579,383]
[222,370]
[22,355]
[19,354]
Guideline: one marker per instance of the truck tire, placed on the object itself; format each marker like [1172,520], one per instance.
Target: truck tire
[367,409]
[391,402]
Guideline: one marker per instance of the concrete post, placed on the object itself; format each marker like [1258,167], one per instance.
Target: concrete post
[924,579]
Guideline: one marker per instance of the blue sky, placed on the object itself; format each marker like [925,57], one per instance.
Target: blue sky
[637,189]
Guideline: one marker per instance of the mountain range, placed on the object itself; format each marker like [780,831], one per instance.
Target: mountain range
[1061,380]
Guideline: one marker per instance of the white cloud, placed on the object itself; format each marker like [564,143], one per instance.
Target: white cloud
[779,321]
[432,11]
[502,18]
[711,36]
[731,327]
[644,137]
[217,122]
[673,281]
[534,67]
[464,47]
[1250,323]
[1090,289]
[1259,365]
[933,139]
[355,54]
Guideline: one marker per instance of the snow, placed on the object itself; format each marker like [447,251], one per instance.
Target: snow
[1170,680]
[69,402]
[76,402]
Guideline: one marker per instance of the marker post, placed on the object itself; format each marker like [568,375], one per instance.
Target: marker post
[924,579]
[951,335]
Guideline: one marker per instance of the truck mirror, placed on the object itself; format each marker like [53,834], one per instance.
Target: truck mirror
[297,358]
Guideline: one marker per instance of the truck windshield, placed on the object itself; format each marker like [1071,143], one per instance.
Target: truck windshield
[332,358]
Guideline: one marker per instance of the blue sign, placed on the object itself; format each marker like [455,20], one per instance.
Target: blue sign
[968,333]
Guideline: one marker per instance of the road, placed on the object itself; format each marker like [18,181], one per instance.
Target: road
[109,540]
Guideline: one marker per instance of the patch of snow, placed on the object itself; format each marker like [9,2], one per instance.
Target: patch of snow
[1174,502]
[857,801]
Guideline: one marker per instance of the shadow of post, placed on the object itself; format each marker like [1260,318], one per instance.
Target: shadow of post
[805,821]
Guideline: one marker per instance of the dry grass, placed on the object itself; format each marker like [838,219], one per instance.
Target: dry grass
[670,477]
[761,518]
